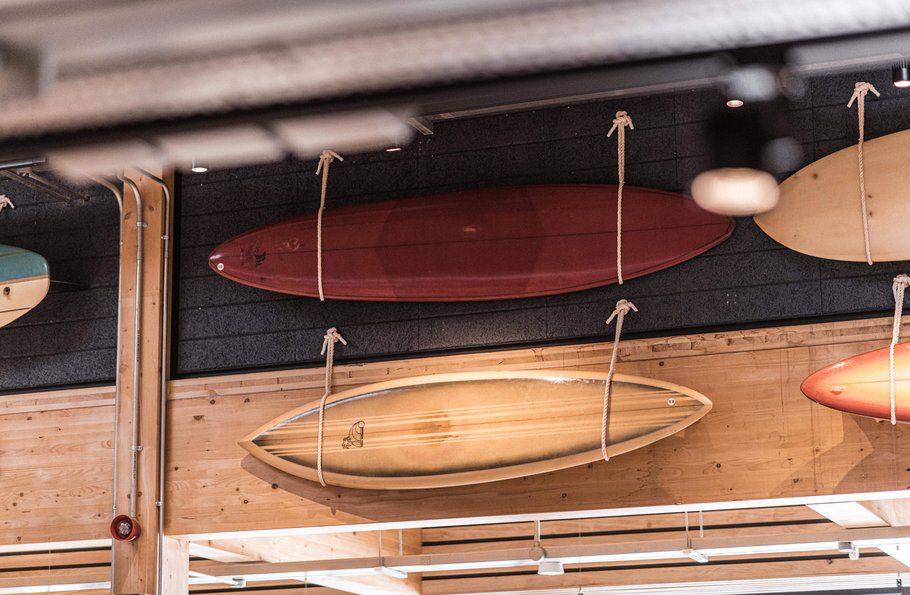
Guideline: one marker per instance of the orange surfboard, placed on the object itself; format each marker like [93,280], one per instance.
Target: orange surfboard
[859,384]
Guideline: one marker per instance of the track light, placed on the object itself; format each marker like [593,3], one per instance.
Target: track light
[900,74]
[746,153]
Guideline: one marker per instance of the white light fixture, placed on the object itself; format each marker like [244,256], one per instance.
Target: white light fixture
[900,75]
[198,168]
[735,191]
[550,568]
[393,149]
[696,555]
[392,572]
[735,103]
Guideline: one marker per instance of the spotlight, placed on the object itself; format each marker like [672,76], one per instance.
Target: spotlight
[746,154]
[735,103]
[393,149]
[900,75]
[198,168]
[550,568]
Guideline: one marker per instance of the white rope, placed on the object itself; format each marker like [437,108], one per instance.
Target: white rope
[325,159]
[620,122]
[331,337]
[6,201]
[897,288]
[860,90]
[622,308]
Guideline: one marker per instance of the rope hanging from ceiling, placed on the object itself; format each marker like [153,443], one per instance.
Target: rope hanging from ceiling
[860,90]
[331,337]
[620,122]
[897,288]
[325,159]
[622,308]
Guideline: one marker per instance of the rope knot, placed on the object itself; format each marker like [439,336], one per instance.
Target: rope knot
[860,90]
[621,120]
[622,308]
[331,337]
[5,201]
[325,158]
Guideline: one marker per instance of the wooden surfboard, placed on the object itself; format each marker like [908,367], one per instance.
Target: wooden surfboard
[819,213]
[465,428]
[476,245]
[24,281]
[859,384]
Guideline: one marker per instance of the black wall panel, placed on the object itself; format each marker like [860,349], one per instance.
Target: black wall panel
[69,338]
[748,280]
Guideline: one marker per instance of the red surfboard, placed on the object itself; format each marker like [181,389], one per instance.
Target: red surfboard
[483,244]
[859,384]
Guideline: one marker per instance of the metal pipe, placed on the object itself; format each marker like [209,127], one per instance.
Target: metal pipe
[118,195]
[19,163]
[135,447]
[162,403]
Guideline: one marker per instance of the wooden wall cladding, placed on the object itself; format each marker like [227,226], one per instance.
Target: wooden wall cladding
[750,279]
[762,439]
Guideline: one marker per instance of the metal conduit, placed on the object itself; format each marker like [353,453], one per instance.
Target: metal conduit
[135,448]
[118,195]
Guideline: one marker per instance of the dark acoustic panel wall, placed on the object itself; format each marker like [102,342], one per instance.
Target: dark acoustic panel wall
[70,337]
[750,279]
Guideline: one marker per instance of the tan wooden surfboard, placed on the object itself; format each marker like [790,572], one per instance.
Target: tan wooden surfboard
[465,428]
[24,281]
[820,214]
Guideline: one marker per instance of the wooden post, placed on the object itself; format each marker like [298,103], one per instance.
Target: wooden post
[135,569]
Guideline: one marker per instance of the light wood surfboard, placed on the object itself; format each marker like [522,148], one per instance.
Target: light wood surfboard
[820,214]
[24,281]
[466,428]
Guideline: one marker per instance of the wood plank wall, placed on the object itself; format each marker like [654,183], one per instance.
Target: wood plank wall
[749,279]
[762,439]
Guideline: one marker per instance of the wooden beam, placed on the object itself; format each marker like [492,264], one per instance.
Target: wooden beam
[335,545]
[135,563]
[851,515]
[896,512]
[175,566]
[680,575]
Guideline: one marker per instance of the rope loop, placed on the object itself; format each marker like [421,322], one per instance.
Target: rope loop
[6,201]
[860,90]
[622,308]
[620,122]
[898,287]
[325,159]
[331,337]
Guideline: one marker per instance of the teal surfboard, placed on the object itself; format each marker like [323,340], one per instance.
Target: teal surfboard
[24,281]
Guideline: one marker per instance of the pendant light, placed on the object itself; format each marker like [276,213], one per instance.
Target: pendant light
[747,152]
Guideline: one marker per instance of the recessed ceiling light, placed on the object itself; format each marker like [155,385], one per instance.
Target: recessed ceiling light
[734,103]
[198,168]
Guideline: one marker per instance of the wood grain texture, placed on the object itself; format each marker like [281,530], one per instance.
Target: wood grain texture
[820,211]
[445,430]
[763,439]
